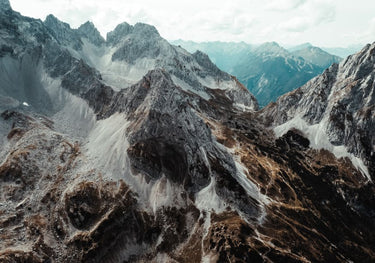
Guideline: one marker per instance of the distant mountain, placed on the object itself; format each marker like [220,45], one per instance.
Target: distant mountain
[267,70]
[343,51]
[224,54]
[270,71]
[317,56]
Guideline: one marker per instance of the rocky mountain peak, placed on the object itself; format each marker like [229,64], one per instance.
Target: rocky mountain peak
[360,64]
[271,48]
[121,30]
[53,22]
[89,31]
[316,56]
[63,32]
[200,55]
[204,60]
[145,30]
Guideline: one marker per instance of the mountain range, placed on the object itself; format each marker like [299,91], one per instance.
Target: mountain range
[267,70]
[131,149]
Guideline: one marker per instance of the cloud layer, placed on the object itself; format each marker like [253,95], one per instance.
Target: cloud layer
[321,22]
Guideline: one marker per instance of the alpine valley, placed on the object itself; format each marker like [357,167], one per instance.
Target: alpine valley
[130,149]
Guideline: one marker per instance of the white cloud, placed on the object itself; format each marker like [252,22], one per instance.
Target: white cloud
[310,15]
[295,24]
[284,5]
[321,22]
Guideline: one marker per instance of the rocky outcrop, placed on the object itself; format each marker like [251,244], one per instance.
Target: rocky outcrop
[122,30]
[63,33]
[89,31]
[137,42]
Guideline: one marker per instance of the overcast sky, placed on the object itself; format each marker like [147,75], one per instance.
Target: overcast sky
[289,22]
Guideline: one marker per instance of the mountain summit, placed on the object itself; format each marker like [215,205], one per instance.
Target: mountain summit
[89,31]
[122,30]
[317,56]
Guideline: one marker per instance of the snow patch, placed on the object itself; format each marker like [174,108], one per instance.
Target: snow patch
[263,81]
[207,199]
[107,145]
[164,193]
[243,107]
[250,187]
[319,140]
[186,87]
[212,83]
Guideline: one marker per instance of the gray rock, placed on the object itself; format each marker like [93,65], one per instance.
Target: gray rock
[122,30]
[89,31]
[63,33]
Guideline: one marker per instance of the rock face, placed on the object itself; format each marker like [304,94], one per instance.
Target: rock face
[165,158]
[62,32]
[89,31]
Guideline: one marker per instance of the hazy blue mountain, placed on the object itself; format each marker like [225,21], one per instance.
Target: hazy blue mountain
[343,51]
[270,71]
[317,56]
[224,54]
[267,70]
